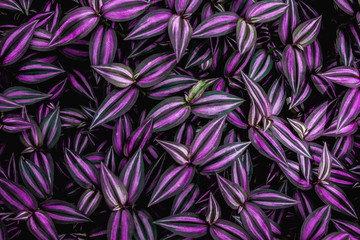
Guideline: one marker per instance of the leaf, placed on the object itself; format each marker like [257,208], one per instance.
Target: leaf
[217,25]
[169,113]
[325,164]
[185,224]
[113,189]
[313,56]
[214,211]
[24,95]
[245,36]
[138,138]
[223,158]
[89,201]
[306,32]
[180,31]
[120,225]
[123,10]
[265,11]
[349,108]
[304,206]
[343,45]
[41,226]
[294,67]
[11,5]
[292,173]
[185,200]
[76,25]
[34,72]
[288,22]
[13,123]
[179,152]
[345,5]
[152,24]
[51,128]
[16,197]
[81,170]
[277,95]
[335,197]
[133,176]
[186,7]
[234,195]
[241,171]
[347,226]
[255,222]
[206,140]
[63,212]
[117,74]
[117,103]
[7,104]
[316,224]
[199,53]
[224,229]
[260,65]
[271,199]
[172,182]
[144,226]
[81,84]
[15,44]
[35,179]
[154,69]
[344,76]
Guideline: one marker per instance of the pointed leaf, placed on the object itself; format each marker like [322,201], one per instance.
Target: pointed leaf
[271,199]
[185,200]
[214,211]
[117,74]
[226,230]
[316,224]
[120,225]
[123,10]
[41,226]
[24,95]
[234,195]
[144,226]
[306,32]
[265,11]
[245,36]
[345,76]
[179,152]
[180,31]
[51,128]
[36,72]
[294,67]
[138,138]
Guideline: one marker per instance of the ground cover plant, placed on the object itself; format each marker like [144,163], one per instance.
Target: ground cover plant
[179,119]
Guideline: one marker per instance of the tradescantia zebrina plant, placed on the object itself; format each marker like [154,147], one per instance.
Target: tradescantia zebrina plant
[179,119]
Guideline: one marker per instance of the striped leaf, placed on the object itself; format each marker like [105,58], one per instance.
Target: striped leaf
[123,10]
[224,229]
[7,104]
[257,95]
[68,31]
[313,56]
[81,84]
[189,225]
[14,44]
[234,195]
[35,179]
[217,25]
[133,176]
[236,63]
[169,113]
[260,65]
[180,31]
[316,224]
[207,140]
[255,222]
[144,226]
[214,211]
[325,164]
[245,36]
[200,52]
[24,95]
[172,85]
[138,138]
[288,22]
[117,74]
[41,226]
[120,225]
[277,96]
[344,48]
[13,123]
[113,189]
[214,104]
[186,7]
[117,103]
[271,199]
[172,182]
[347,226]
[11,5]
[51,128]
[294,67]
[349,108]
[305,33]
[267,145]
[154,69]
[304,206]
[44,18]
[287,138]
[332,195]
[121,131]
[89,201]
[16,197]
[265,11]
[102,47]
[179,152]
[185,200]
[305,167]
[46,163]
[34,72]
[346,5]
[40,40]
[292,173]
[152,24]
[338,235]
[241,171]
[223,158]
[344,76]
[81,170]
[63,212]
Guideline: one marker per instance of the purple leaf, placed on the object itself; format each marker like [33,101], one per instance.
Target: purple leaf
[144,226]
[265,11]
[306,32]
[185,224]
[260,65]
[316,224]
[117,74]
[179,152]
[226,230]
[138,138]
[89,201]
[41,226]
[180,31]
[51,128]
[271,199]
[245,36]
[214,211]
[186,7]
[349,108]
[11,5]
[242,170]
[36,72]
[120,225]
[325,164]
[288,21]
[7,104]
[185,200]
[24,95]
[347,226]
[234,195]
[123,10]
[345,76]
